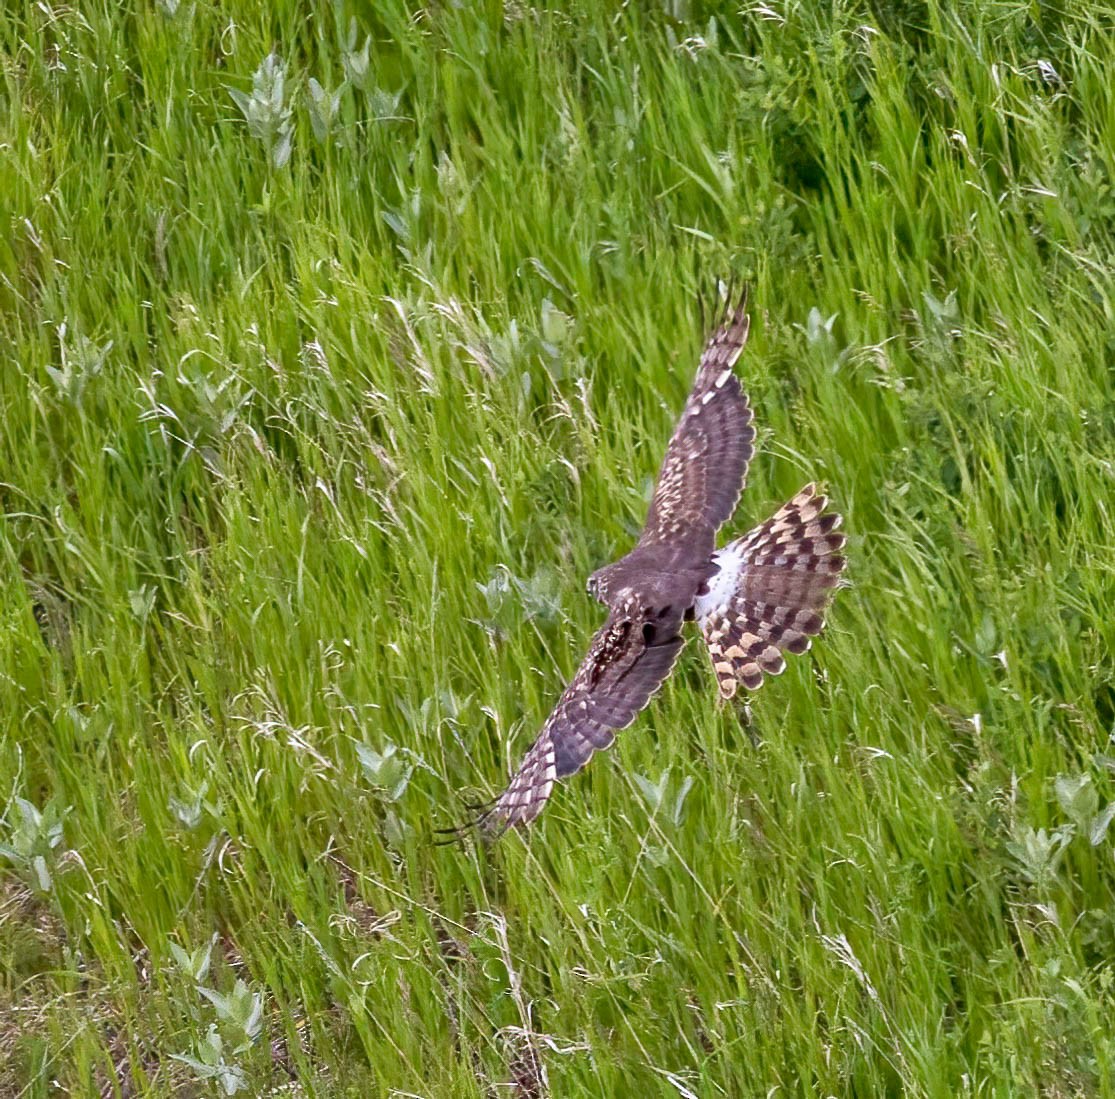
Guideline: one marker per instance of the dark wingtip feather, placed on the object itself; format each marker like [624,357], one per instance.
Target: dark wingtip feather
[456,835]
[729,306]
[741,302]
[480,822]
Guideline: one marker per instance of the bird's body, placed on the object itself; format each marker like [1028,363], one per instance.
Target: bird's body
[755,598]
[655,575]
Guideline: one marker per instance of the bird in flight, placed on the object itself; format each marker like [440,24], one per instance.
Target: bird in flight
[754,599]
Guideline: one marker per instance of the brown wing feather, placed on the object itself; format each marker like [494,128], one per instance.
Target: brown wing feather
[706,461]
[626,663]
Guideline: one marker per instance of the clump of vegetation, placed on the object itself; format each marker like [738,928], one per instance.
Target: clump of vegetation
[340,343]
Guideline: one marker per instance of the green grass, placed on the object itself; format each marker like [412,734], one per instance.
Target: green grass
[309,450]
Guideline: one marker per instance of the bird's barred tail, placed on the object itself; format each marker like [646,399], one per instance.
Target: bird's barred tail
[770,594]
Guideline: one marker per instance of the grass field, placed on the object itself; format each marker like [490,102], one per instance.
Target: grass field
[338,344]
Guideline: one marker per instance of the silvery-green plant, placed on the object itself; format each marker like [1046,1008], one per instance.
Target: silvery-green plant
[384,105]
[395,830]
[403,219]
[818,334]
[942,318]
[497,602]
[32,839]
[656,795]
[266,110]
[356,62]
[241,1009]
[385,770]
[216,400]
[557,327]
[81,359]
[1039,853]
[189,808]
[507,595]
[195,963]
[141,600]
[358,72]
[557,338]
[324,105]
[208,1061]
[238,1026]
[661,804]
[1080,802]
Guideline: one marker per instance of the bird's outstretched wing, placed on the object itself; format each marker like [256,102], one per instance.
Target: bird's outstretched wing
[706,461]
[626,663]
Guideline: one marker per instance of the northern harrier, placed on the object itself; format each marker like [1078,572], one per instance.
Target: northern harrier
[756,598]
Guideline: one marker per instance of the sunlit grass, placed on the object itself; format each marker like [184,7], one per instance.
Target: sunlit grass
[326,381]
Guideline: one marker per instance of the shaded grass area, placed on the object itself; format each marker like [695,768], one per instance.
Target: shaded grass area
[321,400]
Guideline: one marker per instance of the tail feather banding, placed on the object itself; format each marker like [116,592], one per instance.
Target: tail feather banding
[771,590]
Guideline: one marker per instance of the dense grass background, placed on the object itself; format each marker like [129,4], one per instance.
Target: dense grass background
[318,407]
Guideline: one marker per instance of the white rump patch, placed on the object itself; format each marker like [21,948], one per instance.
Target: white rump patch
[724,584]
